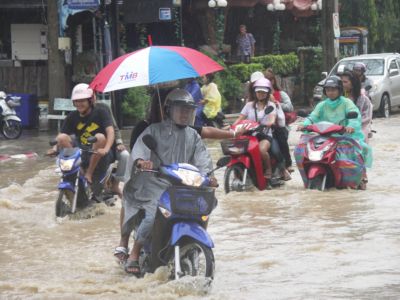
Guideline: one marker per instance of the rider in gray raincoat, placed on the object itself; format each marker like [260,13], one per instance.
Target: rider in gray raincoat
[176,143]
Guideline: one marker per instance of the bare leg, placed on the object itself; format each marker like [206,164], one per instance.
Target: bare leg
[264,147]
[95,158]
[124,238]
[123,242]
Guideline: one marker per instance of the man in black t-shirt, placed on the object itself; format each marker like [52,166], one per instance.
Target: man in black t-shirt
[85,122]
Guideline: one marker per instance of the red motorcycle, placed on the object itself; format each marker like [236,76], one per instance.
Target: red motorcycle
[245,169]
[326,161]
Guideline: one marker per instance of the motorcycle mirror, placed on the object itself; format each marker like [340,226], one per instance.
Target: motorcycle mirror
[368,87]
[268,110]
[302,113]
[150,142]
[352,115]
[53,142]
[223,161]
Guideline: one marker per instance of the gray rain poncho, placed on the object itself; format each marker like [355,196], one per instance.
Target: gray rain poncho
[143,190]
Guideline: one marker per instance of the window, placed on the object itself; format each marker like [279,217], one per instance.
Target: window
[393,69]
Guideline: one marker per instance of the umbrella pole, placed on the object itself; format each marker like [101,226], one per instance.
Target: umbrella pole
[159,103]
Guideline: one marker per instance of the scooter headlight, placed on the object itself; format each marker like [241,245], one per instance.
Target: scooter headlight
[317,155]
[66,164]
[165,212]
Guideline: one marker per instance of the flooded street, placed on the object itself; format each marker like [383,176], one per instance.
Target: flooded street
[287,243]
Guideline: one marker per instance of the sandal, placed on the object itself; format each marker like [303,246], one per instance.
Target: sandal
[363,184]
[286,175]
[268,174]
[290,169]
[122,254]
[132,267]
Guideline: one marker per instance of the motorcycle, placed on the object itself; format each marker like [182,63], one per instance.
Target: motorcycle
[317,159]
[179,238]
[10,125]
[74,190]
[245,168]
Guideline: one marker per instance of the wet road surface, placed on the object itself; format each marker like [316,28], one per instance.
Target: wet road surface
[288,243]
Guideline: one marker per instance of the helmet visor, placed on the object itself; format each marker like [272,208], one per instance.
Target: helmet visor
[183,115]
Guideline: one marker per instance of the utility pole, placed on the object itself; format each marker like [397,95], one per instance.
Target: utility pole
[57,79]
[329,7]
[118,95]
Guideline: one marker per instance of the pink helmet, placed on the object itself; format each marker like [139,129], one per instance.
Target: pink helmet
[263,84]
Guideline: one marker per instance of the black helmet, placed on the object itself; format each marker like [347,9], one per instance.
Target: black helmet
[180,107]
[335,82]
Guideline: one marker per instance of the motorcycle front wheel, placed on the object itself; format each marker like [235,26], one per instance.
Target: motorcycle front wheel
[318,182]
[11,129]
[64,203]
[196,259]
[233,179]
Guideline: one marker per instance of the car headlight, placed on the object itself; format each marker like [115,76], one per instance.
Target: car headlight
[66,164]
[374,88]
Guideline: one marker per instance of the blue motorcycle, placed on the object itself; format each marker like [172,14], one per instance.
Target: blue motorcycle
[74,190]
[179,238]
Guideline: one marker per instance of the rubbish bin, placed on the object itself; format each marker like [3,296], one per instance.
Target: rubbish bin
[28,111]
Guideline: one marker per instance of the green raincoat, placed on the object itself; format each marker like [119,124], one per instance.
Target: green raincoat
[334,112]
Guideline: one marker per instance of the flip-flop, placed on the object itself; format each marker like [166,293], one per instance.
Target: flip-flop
[122,254]
[132,264]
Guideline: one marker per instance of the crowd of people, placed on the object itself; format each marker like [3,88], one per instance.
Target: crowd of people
[171,121]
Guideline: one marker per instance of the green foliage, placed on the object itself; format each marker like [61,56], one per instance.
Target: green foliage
[142,29]
[277,38]
[135,103]
[230,80]
[243,71]
[313,65]
[229,86]
[284,64]
[381,17]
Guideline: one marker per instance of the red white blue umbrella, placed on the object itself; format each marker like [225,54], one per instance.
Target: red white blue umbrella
[153,65]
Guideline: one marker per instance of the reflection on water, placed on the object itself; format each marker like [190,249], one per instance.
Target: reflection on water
[287,243]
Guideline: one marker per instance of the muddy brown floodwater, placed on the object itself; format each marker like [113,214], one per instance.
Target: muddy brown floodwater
[288,243]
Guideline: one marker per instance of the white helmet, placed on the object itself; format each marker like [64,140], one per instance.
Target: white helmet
[3,95]
[82,91]
[255,76]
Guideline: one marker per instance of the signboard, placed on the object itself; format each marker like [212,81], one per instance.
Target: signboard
[336,26]
[83,4]
[146,11]
[63,104]
[165,14]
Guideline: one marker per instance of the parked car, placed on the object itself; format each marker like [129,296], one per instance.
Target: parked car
[382,69]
